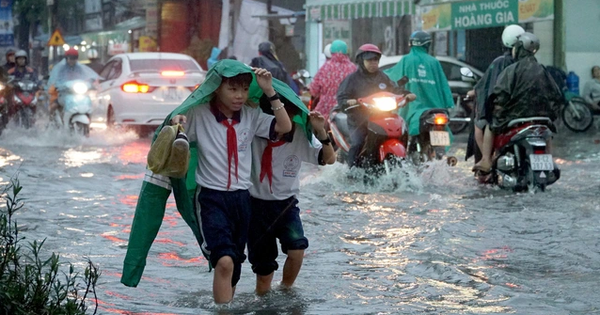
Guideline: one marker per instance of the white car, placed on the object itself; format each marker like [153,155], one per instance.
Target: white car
[140,89]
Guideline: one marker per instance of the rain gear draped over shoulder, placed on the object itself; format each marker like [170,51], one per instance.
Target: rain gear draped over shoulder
[485,86]
[426,80]
[156,189]
[62,72]
[524,89]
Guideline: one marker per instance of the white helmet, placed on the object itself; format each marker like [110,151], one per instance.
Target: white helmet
[327,51]
[92,54]
[510,34]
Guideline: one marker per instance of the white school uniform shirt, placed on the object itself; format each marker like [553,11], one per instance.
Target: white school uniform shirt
[204,128]
[286,163]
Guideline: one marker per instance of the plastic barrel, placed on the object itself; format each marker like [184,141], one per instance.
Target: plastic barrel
[573,82]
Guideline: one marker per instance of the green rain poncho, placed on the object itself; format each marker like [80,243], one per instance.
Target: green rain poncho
[156,189]
[426,80]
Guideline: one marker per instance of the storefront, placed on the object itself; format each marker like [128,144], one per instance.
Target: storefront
[125,37]
[385,23]
[471,30]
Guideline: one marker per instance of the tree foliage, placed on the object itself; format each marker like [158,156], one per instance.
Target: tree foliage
[30,284]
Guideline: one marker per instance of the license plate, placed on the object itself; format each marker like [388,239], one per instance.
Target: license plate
[439,138]
[541,162]
[172,94]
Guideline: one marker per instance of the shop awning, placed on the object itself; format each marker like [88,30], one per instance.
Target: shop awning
[357,9]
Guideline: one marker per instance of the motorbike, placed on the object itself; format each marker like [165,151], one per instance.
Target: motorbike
[523,161]
[76,104]
[433,138]
[576,113]
[462,113]
[387,135]
[24,102]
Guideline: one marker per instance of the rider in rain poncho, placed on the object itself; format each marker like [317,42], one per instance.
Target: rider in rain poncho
[156,189]
[426,80]
[523,89]
[67,70]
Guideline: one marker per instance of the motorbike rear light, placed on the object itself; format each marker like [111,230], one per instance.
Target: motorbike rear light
[440,119]
[172,73]
[193,88]
[135,87]
[539,151]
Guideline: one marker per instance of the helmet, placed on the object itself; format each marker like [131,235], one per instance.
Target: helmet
[510,34]
[327,51]
[339,46]
[529,42]
[10,51]
[72,52]
[21,53]
[92,54]
[420,38]
[369,51]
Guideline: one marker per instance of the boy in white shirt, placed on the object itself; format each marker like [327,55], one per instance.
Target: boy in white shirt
[223,131]
[275,214]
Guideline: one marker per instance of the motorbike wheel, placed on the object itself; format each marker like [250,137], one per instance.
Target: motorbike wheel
[81,129]
[577,116]
[110,118]
[458,126]
[26,118]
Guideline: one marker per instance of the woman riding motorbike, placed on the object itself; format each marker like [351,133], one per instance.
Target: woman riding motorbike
[366,80]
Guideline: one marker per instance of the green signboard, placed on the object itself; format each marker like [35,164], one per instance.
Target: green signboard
[484,13]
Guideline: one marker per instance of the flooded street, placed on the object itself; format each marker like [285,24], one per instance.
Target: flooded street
[436,244]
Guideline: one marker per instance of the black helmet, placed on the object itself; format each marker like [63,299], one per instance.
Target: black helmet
[529,42]
[420,38]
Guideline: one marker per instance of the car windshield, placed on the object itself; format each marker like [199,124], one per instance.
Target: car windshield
[159,65]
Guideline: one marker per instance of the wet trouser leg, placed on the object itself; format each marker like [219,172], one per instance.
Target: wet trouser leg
[358,133]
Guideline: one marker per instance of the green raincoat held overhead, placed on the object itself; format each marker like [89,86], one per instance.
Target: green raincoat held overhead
[156,189]
[426,80]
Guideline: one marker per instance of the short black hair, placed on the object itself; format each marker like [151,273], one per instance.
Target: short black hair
[593,68]
[242,79]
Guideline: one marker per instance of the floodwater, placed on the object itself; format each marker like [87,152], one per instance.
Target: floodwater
[436,244]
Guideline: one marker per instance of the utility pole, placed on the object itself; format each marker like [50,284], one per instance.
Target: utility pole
[54,24]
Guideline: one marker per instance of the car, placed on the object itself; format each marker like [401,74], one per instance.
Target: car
[459,85]
[138,90]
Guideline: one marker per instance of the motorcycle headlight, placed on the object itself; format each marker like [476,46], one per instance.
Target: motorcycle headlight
[1,86]
[80,88]
[385,103]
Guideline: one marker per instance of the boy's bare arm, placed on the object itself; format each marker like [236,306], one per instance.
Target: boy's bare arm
[317,122]
[265,81]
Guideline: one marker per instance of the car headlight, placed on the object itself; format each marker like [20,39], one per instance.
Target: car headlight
[385,103]
[80,88]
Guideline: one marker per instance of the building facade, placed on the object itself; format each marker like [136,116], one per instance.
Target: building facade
[467,30]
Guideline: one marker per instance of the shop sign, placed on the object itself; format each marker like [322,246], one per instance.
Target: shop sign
[118,48]
[147,43]
[484,13]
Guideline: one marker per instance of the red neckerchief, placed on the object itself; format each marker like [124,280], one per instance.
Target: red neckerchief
[232,152]
[266,163]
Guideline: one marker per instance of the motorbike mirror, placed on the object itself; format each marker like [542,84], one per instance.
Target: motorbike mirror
[402,82]
[467,75]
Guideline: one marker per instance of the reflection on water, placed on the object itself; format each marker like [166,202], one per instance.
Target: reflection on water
[427,240]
